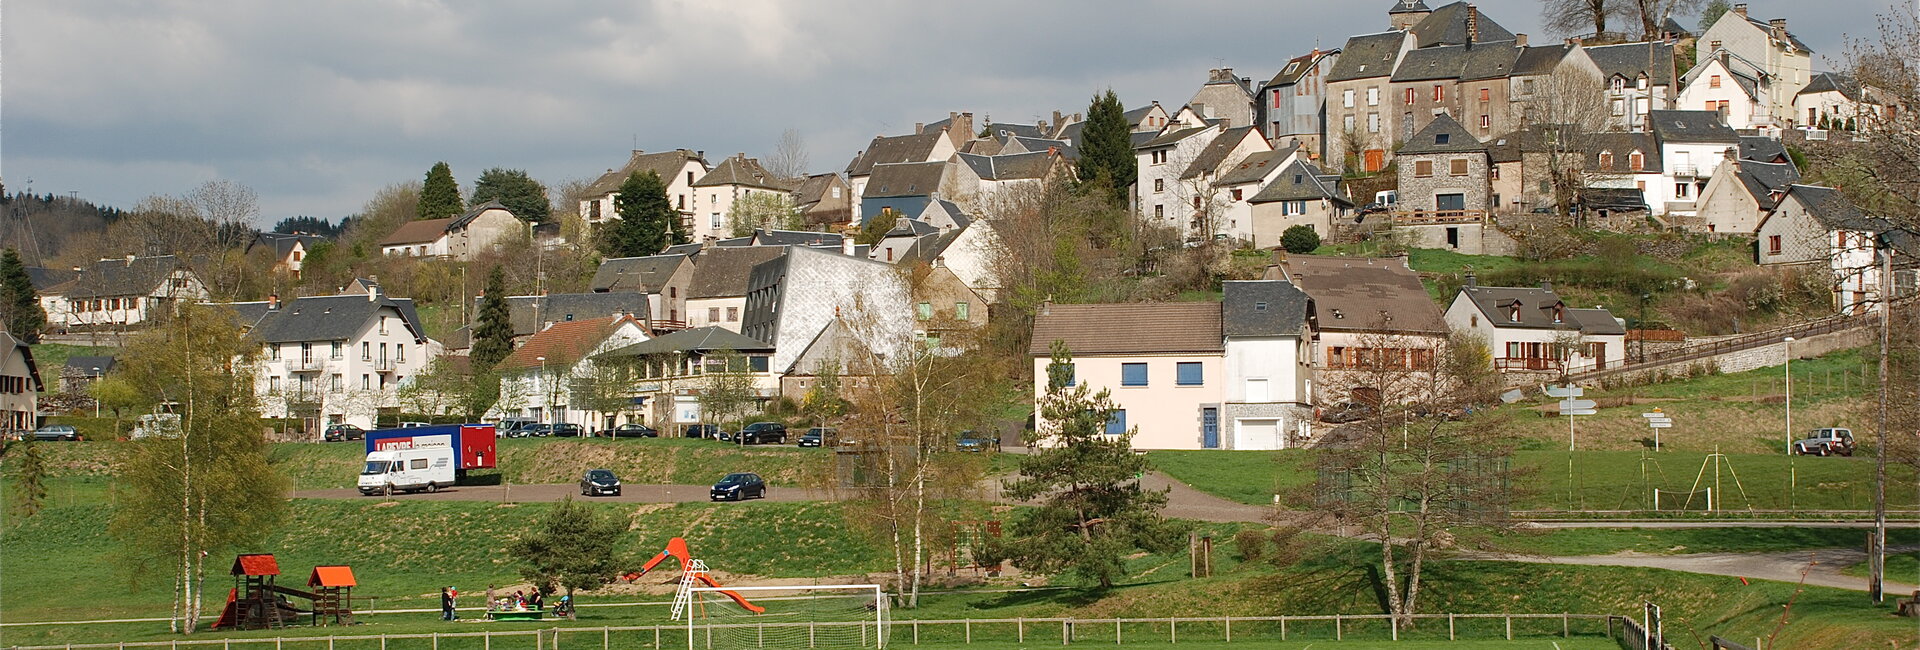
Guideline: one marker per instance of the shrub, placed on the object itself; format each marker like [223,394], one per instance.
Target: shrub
[1300,239]
[1252,544]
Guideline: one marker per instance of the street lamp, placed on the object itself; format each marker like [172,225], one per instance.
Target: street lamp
[96,396]
[1789,348]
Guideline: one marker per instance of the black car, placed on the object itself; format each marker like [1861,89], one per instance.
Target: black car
[702,431]
[599,481]
[341,432]
[56,432]
[739,486]
[763,432]
[566,430]
[534,431]
[816,437]
[633,430]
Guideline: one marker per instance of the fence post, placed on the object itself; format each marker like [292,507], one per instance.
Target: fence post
[1066,631]
[1173,629]
[916,631]
[1229,621]
[969,626]
[1393,623]
[1336,627]
[1449,626]
[1565,626]
[1020,629]
[1509,627]
[1116,630]
[656,637]
[606,637]
[1283,627]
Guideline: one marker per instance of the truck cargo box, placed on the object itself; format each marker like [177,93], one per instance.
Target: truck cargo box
[475,442]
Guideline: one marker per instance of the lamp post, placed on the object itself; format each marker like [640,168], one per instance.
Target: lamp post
[1789,400]
[96,397]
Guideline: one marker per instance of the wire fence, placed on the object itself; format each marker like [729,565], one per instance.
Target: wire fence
[1253,630]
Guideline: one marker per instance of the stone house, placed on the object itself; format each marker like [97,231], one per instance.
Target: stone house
[1636,78]
[1359,109]
[662,279]
[1301,194]
[1739,194]
[824,200]
[1817,227]
[289,250]
[735,178]
[482,228]
[1160,163]
[1838,98]
[1239,184]
[1444,173]
[1225,97]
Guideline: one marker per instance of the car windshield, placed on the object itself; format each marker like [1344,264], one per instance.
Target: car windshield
[734,478]
[375,467]
[600,475]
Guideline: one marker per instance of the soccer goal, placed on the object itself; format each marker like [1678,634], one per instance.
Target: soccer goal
[793,616]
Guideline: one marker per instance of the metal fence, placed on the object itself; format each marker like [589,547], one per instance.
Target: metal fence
[960,632]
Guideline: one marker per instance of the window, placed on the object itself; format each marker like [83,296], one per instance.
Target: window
[715,220]
[1640,83]
[1422,168]
[1455,201]
[1159,211]
[1636,161]
[1457,167]
[273,353]
[366,382]
[1486,122]
[689,178]
[417,463]
[962,311]
[1236,194]
[1373,96]
[1410,96]
[1486,94]
[713,314]
[1439,93]
[1346,99]
[383,325]
[733,314]
[1619,107]
[1493,173]
[1682,189]
[1526,86]
[1606,160]
[273,384]
[1187,373]
[306,353]
[399,353]
[1117,423]
[1713,81]
[1196,203]
[1159,185]
[1346,122]
[1276,98]
[1373,122]
[336,384]
[924,310]
[1442,138]
[1133,374]
[593,210]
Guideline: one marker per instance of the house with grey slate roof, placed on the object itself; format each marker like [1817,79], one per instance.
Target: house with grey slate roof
[1741,192]
[1160,162]
[1292,106]
[1532,331]
[677,169]
[1444,174]
[790,298]
[1818,228]
[1359,107]
[1833,99]
[907,188]
[1693,143]
[1226,97]
[1735,87]
[1787,60]
[932,146]
[1268,400]
[289,250]
[121,292]
[663,279]
[735,178]
[20,387]
[669,372]
[335,359]
[1637,78]
[1301,194]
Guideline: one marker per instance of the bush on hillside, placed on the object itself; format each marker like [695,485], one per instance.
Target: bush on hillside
[1300,239]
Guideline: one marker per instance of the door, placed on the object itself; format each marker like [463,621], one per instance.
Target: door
[1210,427]
[1376,160]
[1599,353]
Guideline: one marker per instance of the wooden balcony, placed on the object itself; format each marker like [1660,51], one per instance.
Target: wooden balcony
[1528,363]
[1438,217]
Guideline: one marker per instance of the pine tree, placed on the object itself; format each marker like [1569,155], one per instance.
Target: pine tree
[572,548]
[647,224]
[29,477]
[440,196]
[524,197]
[493,334]
[24,317]
[1106,149]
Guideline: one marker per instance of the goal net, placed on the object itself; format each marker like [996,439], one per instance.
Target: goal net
[798,616]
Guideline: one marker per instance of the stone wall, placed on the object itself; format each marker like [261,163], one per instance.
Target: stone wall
[1766,356]
[1417,192]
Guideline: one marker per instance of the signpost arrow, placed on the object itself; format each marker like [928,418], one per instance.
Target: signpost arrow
[1655,414]
[1564,391]
[1577,404]
[1661,425]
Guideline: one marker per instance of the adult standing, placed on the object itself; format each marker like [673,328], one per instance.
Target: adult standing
[446,603]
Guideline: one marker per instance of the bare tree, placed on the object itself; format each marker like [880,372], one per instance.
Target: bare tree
[789,157]
[1571,17]
[1563,117]
[1651,14]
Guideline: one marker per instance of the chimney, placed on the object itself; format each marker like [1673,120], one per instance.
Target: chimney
[1740,8]
[701,154]
[1779,26]
[373,293]
[1520,40]
[919,127]
[1546,285]
[939,261]
[1472,281]
[1473,23]
[903,222]
[273,301]
[846,246]
[1575,41]
[1046,306]
[1058,119]
[130,258]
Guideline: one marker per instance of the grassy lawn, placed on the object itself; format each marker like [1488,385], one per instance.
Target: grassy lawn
[1673,541]
[1601,480]
[51,357]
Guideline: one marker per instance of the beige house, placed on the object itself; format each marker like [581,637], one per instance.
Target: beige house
[664,280]
[120,292]
[552,377]
[1817,227]
[462,238]
[733,179]
[289,251]
[1301,194]
[335,359]
[1785,59]
[1163,364]
[1532,331]
[717,289]
[1369,314]
[677,169]
[19,386]
[1225,97]
[824,200]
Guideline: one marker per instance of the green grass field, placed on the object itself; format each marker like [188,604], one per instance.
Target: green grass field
[1672,541]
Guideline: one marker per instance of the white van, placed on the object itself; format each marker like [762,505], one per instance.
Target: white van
[409,470]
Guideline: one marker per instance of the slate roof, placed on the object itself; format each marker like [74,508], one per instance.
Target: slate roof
[1297,67]
[1007,167]
[1692,127]
[7,340]
[1745,74]
[1367,56]
[1536,309]
[810,239]
[699,339]
[1003,130]
[645,274]
[528,313]
[1630,60]
[1263,308]
[1254,167]
[908,227]
[666,164]
[1444,62]
[1300,181]
[1596,321]
[813,189]
[1447,25]
[722,272]
[905,179]
[1134,116]
[1493,60]
[563,343]
[1171,137]
[746,172]
[952,210]
[324,318]
[1761,180]
[1041,145]
[47,278]
[1673,27]
[1129,328]
[1442,135]
[895,149]
[1539,59]
[1832,82]
[282,243]
[1139,139]
[930,247]
[1622,145]
[1408,7]
[418,232]
[1832,209]
[1364,294]
[1763,149]
[1212,156]
[83,366]
[689,249]
[121,277]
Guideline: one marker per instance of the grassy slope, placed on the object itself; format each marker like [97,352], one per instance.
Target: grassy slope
[1669,541]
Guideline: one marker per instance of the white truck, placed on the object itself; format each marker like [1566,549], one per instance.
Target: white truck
[408,470]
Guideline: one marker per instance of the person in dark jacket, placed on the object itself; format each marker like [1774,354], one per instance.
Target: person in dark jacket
[446,603]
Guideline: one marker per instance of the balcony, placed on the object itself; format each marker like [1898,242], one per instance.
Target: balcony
[1686,171]
[382,365]
[306,364]
[1434,217]
[1528,363]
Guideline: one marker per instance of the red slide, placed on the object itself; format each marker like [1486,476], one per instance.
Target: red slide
[229,617]
[734,595]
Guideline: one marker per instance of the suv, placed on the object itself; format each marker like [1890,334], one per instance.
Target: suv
[599,481]
[56,432]
[340,432]
[763,432]
[1825,442]
[702,431]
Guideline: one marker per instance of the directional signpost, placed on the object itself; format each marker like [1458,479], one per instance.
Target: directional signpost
[1571,406]
[1657,420]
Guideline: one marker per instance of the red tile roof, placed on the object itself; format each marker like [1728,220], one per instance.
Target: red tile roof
[565,342]
[1130,328]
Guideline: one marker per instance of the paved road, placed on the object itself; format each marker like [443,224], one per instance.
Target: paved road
[557,491]
[1821,566]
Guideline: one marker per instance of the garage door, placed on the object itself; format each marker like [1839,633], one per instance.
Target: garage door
[1257,434]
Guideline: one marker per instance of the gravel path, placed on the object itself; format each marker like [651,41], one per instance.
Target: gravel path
[1820,566]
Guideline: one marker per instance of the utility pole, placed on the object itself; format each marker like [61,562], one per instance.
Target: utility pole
[1876,586]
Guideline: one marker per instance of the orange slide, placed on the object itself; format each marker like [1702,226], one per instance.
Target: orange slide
[734,595]
[677,549]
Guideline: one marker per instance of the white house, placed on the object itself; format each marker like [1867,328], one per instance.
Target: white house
[480,229]
[1238,185]
[1530,330]
[20,386]
[1738,89]
[733,179]
[717,289]
[1369,315]
[289,250]
[1787,60]
[335,359]
[539,379]
[1269,387]
[1838,98]
[1164,365]
[1692,144]
[1817,227]
[1161,161]
[120,292]
[677,169]
[1739,194]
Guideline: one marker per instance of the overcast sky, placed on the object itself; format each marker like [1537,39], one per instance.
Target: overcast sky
[317,104]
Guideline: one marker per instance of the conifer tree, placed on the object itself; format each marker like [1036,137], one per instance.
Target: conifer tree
[24,317]
[493,334]
[440,195]
[1106,149]
[647,224]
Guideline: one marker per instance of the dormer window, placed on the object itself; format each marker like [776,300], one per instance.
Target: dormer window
[1606,160]
[1442,138]
[1513,312]
[1260,306]
[1559,313]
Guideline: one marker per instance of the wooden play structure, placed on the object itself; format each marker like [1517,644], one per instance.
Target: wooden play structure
[257,603]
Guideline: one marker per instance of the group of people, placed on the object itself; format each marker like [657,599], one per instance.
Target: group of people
[518,601]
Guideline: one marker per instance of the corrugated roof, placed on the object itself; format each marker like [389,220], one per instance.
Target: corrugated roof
[1365,294]
[1130,328]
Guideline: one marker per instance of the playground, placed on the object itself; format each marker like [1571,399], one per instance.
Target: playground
[256,602]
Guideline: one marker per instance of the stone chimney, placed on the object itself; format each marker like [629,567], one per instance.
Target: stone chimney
[1741,9]
[1058,120]
[919,128]
[1046,306]
[273,301]
[373,293]
[1520,40]
[1779,26]
[846,246]
[1473,23]
[1472,280]
[1546,285]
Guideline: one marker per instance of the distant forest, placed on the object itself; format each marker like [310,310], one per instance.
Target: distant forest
[39,226]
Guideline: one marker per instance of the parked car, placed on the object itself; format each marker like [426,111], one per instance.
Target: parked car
[56,432]
[1831,441]
[414,425]
[1346,412]
[342,432]
[763,432]
[599,481]
[815,437]
[972,441]
[702,431]
[509,426]
[739,486]
[633,430]
[568,430]
[534,431]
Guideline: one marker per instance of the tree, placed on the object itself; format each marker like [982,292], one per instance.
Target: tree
[1106,152]
[770,210]
[1300,239]
[114,395]
[1654,13]
[440,195]
[1712,13]
[727,395]
[876,229]
[647,224]
[789,157]
[207,488]
[824,401]
[603,386]
[1411,472]
[493,330]
[1091,512]
[519,193]
[24,316]
[1564,120]
[572,547]
[310,226]
[29,476]
[1576,16]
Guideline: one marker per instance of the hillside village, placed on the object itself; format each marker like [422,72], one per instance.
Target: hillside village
[1439,226]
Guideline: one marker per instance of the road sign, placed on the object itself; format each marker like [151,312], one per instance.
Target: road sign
[1572,404]
[1564,391]
[1655,414]
[1661,425]
[1579,412]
